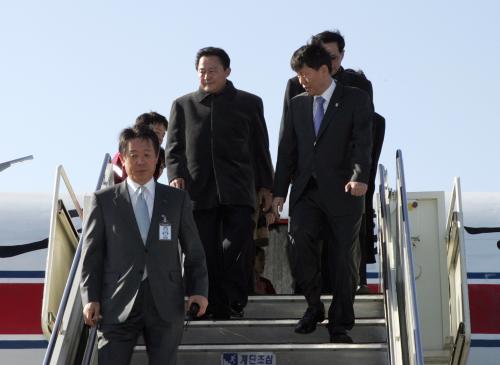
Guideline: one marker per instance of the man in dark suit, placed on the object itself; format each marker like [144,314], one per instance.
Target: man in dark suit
[218,150]
[324,151]
[334,43]
[131,279]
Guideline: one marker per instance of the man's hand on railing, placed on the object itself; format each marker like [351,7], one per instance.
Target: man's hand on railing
[92,313]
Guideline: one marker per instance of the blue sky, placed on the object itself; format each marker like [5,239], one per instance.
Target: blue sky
[73,74]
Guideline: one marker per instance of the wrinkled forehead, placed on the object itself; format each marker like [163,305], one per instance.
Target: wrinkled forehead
[210,62]
[140,145]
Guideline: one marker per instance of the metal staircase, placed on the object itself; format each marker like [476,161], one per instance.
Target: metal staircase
[267,334]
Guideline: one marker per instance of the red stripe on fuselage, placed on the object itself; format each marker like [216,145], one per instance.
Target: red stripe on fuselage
[21,305]
[374,288]
[21,308]
[484,303]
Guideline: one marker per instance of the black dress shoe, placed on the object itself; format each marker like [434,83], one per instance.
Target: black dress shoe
[311,317]
[340,338]
[214,313]
[236,310]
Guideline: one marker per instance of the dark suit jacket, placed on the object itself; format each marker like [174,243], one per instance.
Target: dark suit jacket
[220,146]
[341,152]
[114,255]
[350,77]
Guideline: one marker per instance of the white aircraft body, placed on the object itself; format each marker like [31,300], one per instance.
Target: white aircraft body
[24,228]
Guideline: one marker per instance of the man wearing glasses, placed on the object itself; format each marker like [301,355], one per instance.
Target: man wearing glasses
[334,44]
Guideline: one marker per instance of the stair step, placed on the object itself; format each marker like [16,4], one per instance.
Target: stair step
[293,306]
[290,354]
[276,331]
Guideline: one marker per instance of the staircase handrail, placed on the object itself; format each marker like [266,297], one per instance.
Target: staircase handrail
[387,269]
[60,173]
[406,281]
[460,326]
[398,278]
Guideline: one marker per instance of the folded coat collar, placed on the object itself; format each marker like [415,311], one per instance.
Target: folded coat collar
[229,90]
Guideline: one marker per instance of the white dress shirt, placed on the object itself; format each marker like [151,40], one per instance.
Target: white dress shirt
[149,193]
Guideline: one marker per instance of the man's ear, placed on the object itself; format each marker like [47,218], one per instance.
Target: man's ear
[324,69]
[341,56]
[227,72]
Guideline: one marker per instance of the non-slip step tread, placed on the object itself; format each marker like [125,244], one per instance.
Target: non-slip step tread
[278,331]
[274,322]
[286,297]
[285,307]
[290,346]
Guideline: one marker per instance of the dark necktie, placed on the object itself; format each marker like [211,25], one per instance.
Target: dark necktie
[319,113]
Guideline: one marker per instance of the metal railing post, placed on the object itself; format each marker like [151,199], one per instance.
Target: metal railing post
[457,278]
[410,290]
[398,279]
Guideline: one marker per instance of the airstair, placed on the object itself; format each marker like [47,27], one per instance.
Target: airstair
[388,324]
[266,336]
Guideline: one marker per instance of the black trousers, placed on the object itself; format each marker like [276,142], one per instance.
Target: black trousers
[226,233]
[116,342]
[360,255]
[309,216]
[367,238]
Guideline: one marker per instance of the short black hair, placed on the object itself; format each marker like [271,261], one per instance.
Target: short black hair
[311,55]
[330,36]
[214,51]
[150,119]
[137,131]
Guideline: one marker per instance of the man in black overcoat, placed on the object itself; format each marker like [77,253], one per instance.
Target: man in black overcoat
[218,150]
